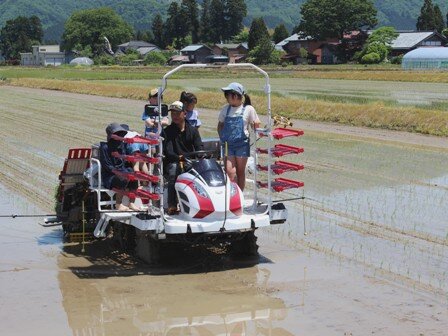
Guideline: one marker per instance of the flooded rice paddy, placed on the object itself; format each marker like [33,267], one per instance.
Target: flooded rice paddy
[351,91]
[364,253]
[381,204]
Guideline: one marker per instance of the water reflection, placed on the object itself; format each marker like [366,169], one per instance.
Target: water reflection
[232,301]
[51,237]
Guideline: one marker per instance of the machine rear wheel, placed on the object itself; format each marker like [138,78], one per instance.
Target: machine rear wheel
[123,236]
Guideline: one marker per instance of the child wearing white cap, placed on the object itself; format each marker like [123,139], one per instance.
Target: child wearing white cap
[234,121]
[151,122]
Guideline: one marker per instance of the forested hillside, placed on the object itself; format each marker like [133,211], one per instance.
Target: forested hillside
[139,13]
[401,14]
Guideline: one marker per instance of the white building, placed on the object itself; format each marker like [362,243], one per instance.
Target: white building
[43,55]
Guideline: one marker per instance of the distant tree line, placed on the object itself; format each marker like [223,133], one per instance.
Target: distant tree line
[217,21]
[431,18]
[19,34]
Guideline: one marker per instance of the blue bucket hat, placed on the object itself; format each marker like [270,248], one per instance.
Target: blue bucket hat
[236,87]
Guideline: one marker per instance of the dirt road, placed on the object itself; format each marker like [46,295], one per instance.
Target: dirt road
[373,260]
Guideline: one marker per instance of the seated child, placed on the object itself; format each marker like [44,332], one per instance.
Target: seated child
[151,125]
[110,163]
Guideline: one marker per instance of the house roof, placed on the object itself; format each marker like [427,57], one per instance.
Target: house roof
[428,53]
[292,38]
[408,40]
[231,45]
[227,45]
[194,47]
[136,44]
[145,50]
[179,58]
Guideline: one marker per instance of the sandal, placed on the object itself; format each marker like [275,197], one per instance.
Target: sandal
[172,211]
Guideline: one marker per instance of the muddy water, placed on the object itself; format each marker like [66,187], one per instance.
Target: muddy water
[30,299]
[382,204]
[373,261]
[286,292]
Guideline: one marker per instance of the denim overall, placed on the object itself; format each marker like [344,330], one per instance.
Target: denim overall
[233,133]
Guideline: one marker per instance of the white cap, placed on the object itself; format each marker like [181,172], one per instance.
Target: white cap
[236,87]
[176,106]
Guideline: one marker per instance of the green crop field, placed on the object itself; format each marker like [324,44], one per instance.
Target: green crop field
[371,97]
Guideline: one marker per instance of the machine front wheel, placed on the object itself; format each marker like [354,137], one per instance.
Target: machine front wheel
[246,246]
[147,247]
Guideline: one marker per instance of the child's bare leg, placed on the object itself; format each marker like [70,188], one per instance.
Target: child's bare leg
[144,167]
[118,205]
[132,206]
[136,166]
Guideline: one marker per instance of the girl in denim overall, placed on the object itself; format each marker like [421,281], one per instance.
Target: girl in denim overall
[233,129]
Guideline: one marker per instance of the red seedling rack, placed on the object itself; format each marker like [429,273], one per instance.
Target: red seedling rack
[143,194]
[280,167]
[137,157]
[136,139]
[136,176]
[281,184]
[280,133]
[147,195]
[281,150]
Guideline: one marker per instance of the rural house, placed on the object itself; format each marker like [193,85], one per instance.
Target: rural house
[44,55]
[410,40]
[297,43]
[196,53]
[236,52]
[303,49]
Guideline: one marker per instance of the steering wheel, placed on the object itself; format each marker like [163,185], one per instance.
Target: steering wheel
[200,154]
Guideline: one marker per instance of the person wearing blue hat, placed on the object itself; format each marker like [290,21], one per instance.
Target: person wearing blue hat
[110,163]
[234,121]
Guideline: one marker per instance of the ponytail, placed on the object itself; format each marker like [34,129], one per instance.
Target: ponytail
[246,100]
[188,98]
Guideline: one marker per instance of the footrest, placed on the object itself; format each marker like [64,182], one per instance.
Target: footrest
[106,217]
[280,133]
[281,150]
[280,167]
[137,157]
[281,184]
[136,139]
[136,176]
